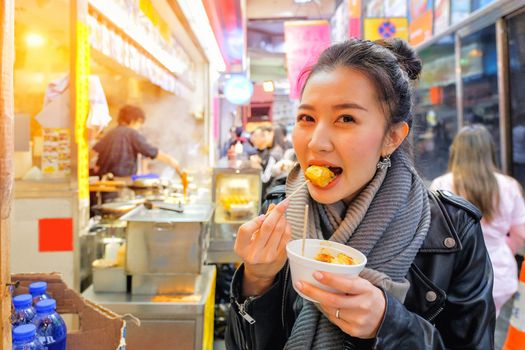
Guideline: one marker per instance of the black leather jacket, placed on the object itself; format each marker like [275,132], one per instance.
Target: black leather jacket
[448,306]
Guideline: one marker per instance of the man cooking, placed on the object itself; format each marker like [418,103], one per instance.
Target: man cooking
[118,149]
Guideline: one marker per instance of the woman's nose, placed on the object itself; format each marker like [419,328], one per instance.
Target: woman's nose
[320,140]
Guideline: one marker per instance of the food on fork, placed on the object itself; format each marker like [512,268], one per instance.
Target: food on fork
[341,258]
[319,175]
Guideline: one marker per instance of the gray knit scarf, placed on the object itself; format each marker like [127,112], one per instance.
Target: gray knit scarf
[387,221]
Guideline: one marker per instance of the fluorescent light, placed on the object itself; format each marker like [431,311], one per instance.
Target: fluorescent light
[196,15]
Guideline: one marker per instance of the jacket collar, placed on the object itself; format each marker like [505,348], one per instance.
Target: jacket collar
[442,236]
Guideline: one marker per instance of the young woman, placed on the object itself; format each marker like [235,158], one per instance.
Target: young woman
[428,279]
[474,175]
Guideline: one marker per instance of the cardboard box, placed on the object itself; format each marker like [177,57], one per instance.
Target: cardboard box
[99,328]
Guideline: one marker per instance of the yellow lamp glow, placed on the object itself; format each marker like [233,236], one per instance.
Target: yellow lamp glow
[268,86]
[35,40]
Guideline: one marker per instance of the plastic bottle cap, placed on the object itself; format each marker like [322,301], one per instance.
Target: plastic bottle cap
[46,305]
[26,331]
[22,300]
[37,288]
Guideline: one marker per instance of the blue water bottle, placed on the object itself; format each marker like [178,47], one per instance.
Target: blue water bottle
[38,291]
[51,329]
[24,311]
[24,338]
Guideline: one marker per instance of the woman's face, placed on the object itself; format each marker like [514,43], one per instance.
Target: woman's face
[341,124]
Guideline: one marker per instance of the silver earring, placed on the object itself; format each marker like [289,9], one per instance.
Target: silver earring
[384,163]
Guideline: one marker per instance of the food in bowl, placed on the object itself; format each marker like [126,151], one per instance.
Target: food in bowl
[319,175]
[302,267]
[341,258]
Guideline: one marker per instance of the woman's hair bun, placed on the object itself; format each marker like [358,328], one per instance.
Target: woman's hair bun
[405,54]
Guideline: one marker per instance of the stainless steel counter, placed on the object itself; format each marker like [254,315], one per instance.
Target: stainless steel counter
[166,325]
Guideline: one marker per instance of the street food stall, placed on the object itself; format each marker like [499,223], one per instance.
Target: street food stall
[170,289]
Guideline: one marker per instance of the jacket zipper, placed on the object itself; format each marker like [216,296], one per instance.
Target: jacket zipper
[242,310]
[435,314]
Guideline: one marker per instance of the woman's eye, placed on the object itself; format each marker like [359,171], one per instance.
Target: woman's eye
[305,118]
[346,119]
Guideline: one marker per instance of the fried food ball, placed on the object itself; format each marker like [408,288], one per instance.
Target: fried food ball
[319,175]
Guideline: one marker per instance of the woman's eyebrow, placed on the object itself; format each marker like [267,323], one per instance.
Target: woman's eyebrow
[306,106]
[349,106]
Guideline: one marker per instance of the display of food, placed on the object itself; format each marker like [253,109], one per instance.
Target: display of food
[324,255]
[319,175]
[237,206]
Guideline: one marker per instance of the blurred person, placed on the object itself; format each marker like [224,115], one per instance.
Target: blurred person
[268,153]
[280,137]
[227,143]
[473,175]
[428,280]
[118,149]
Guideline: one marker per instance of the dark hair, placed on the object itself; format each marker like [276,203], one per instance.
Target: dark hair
[130,114]
[391,64]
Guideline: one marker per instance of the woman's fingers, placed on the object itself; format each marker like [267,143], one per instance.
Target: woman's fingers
[275,237]
[269,224]
[246,232]
[343,284]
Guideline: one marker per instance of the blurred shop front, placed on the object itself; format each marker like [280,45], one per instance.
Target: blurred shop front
[77,63]
[473,66]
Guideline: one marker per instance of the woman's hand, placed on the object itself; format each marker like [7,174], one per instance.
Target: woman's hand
[361,305]
[261,244]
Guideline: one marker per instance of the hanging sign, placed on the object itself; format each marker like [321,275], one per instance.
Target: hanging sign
[441,16]
[384,28]
[304,42]
[420,17]
[354,15]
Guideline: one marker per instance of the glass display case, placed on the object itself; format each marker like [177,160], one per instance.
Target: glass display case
[236,194]
[237,197]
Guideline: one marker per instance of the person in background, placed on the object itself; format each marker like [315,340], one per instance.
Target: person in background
[281,138]
[118,149]
[473,175]
[428,279]
[231,140]
[268,153]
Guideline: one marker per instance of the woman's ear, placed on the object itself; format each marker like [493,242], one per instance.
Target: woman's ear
[396,135]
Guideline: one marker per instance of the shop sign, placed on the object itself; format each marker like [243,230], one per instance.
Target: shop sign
[304,42]
[375,8]
[420,18]
[339,23]
[384,28]
[354,15]
[395,8]
[441,16]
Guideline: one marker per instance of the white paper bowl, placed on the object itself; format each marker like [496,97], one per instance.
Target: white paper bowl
[303,267]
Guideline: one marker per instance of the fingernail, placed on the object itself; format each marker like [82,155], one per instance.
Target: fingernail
[286,202]
[261,217]
[318,276]
[298,285]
